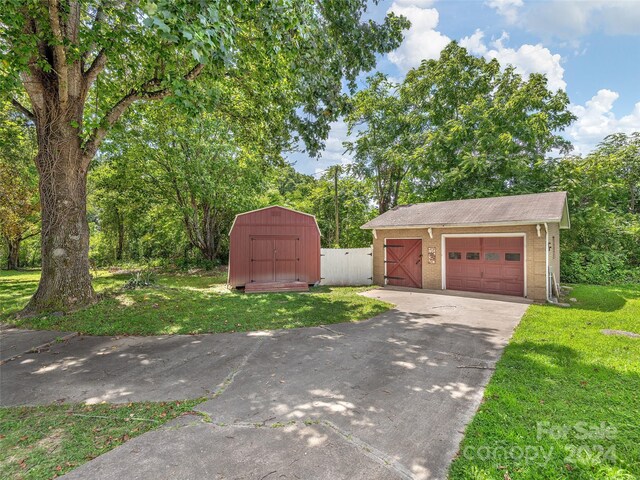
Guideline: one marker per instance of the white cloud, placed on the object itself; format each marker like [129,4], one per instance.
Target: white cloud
[422,41]
[572,19]
[475,43]
[596,120]
[334,151]
[415,3]
[507,8]
[530,59]
[526,59]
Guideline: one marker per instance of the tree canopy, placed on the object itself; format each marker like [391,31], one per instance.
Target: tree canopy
[75,68]
[456,127]
[19,206]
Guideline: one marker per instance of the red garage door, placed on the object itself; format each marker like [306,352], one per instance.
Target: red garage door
[486,264]
[404,262]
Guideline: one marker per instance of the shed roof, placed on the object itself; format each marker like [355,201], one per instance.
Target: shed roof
[510,210]
[259,211]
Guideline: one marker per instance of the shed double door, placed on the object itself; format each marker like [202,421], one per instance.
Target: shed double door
[274,258]
[486,264]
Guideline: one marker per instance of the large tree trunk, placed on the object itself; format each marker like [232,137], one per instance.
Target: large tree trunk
[65,282]
[13,259]
[58,80]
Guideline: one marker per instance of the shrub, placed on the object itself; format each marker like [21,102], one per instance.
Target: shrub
[597,268]
[141,279]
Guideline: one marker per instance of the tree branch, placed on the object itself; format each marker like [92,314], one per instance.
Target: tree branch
[25,237]
[24,110]
[60,55]
[145,92]
[94,69]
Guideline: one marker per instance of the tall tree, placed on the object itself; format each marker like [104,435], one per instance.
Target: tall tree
[119,203]
[479,129]
[621,153]
[19,208]
[209,167]
[83,64]
[381,150]
[603,244]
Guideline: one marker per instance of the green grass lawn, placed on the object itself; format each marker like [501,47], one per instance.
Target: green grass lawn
[185,304]
[46,442]
[564,401]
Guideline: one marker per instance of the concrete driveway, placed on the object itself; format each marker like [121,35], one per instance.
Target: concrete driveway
[385,398]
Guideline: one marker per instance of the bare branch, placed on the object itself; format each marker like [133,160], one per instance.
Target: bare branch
[95,68]
[60,54]
[145,92]
[25,237]
[24,110]
[98,19]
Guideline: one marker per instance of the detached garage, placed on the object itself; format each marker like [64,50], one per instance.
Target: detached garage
[274,248]
[503,245]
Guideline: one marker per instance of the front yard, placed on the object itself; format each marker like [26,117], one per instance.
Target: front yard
[564,401]
[186,304]
[47,441]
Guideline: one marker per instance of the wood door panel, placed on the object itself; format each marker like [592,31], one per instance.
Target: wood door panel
[262,261]
[404,262]
[285,252]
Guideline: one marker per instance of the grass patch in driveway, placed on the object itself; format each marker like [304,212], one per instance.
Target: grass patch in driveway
[564,401]
[49,441]
[188,304]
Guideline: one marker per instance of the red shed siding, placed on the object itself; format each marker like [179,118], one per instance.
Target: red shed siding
[274,244]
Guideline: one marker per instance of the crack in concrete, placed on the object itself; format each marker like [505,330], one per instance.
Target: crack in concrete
[228,380]
[335,332]
[363,447]
[372,452]
[41,348]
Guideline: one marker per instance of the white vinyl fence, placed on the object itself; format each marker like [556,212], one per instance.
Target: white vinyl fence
[346,266]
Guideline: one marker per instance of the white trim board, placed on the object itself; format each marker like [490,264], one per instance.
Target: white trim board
[443,258]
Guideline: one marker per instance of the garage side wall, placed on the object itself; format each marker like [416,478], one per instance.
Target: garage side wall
[432,272]
[554,252]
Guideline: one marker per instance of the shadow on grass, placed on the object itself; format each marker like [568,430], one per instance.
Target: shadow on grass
[171,310]
[603,299]
[551,413]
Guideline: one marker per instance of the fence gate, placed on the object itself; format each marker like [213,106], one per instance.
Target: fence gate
[346,266]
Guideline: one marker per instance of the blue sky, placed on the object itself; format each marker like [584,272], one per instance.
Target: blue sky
[590,48]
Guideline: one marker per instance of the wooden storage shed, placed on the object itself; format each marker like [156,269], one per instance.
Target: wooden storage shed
[274,245]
